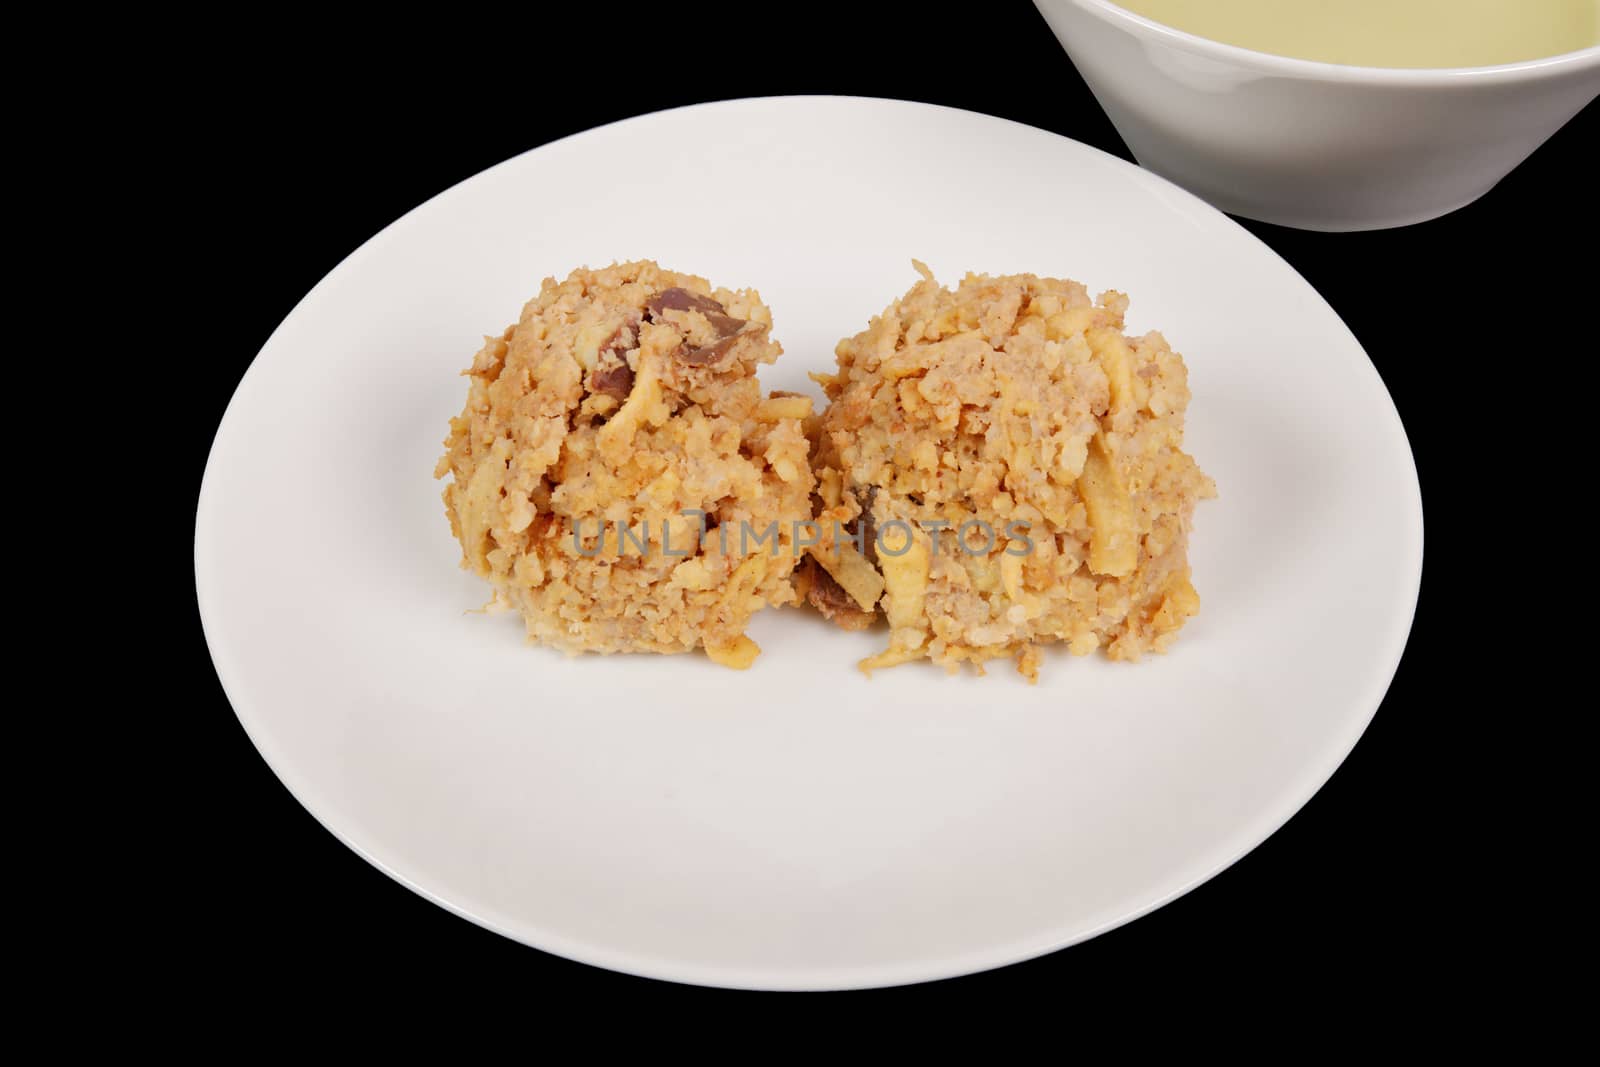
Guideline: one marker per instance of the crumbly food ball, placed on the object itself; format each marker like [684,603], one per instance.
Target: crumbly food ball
[607,439]
[1008,465]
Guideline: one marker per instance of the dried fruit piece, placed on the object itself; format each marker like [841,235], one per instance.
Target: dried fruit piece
[783,406]
[678,298]
[706,355]
[837,606]
[739,655]
[851,570]
[1113,543]
[614,380]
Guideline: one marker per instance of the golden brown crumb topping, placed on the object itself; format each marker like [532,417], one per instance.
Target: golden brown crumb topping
[606,438]
[1018,462]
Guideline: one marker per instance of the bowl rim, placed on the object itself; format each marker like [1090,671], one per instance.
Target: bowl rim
[1545,66]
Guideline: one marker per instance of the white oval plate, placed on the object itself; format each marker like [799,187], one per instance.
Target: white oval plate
[798,825]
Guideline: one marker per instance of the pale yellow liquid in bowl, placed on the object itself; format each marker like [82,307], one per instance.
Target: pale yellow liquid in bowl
[1388,33]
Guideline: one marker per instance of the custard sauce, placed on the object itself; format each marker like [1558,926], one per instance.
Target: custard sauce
[1388,33]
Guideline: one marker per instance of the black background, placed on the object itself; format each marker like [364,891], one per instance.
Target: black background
[306,142]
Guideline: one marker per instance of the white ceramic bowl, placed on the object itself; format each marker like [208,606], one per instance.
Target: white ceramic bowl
[1315,145]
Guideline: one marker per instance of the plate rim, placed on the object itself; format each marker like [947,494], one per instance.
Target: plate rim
[1254,832]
